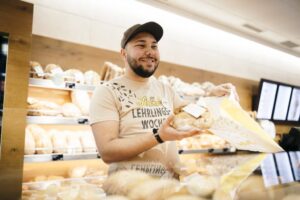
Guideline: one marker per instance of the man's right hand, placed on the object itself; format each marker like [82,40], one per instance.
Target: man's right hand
[168,133]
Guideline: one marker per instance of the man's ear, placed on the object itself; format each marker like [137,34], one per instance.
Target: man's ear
[123,53]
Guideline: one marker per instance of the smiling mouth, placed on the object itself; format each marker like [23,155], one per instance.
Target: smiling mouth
[148,60]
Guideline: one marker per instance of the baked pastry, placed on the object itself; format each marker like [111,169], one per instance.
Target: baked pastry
[156,189]
[70,110]
[36,70]
[59,141]
[88,142]
[42,108]
[185,121]
[43,142]
[122,182]
[29,143]
[51,70]
[91,78]
[82,100]
[77,172]
[74,76]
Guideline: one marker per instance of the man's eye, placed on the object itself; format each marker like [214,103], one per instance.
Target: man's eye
[140,45]
[154,47]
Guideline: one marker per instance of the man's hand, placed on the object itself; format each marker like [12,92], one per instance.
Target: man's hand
[225,89]
[168,133]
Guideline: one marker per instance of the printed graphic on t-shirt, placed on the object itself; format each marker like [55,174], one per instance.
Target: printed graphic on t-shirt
[150,111]
[125,96]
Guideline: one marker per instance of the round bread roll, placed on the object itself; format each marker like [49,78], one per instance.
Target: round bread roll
[77,172]
[200,185]
[51,70]
[122,182]
[91,78]
[74,75]
[156,189]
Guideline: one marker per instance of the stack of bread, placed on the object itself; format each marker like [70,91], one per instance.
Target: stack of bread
[87,180]
[110,71]
[185,89]
[57,74]
[40,141]
[77,108]
[42,108]
[58,189]
[137,185]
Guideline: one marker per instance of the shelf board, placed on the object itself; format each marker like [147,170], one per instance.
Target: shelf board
[57,120]
[59,157]
[44,83]
[211,151]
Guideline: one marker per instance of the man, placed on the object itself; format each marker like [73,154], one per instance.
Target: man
[131,115]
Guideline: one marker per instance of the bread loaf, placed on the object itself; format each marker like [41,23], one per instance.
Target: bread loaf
[88,142]
[70,110]
[59,141]
[29,143]
[73,142]
[81,99]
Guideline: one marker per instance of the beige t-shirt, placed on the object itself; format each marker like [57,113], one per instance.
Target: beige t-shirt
[139,107]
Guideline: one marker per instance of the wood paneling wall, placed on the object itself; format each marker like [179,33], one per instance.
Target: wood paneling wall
[15,19]
[70,55]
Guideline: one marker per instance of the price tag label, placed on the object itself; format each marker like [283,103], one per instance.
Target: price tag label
[57,157]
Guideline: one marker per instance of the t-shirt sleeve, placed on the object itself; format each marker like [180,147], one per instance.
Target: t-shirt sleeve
[103,106]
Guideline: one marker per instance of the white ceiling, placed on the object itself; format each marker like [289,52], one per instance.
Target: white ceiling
[276,21]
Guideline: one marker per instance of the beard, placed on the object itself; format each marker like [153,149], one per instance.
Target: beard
[139,69]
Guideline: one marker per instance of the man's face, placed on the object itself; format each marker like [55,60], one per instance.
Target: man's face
[142,54]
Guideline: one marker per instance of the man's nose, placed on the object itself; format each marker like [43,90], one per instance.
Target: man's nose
[149,51]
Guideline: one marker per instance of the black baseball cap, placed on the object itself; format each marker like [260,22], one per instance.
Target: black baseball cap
[150,27]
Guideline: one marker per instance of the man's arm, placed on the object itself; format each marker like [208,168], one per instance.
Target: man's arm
[113,148]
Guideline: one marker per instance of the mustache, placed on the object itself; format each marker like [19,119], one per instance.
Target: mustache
[149,57]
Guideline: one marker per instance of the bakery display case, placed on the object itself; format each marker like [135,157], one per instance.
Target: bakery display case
[61,158]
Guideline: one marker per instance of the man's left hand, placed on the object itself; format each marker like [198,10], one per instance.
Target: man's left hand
[225,89]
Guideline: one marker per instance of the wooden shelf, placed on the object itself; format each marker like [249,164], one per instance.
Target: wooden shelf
[57,120]
[59,157]
[44,83]
[212,151]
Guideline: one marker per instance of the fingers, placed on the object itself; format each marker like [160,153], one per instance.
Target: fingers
[169,120]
